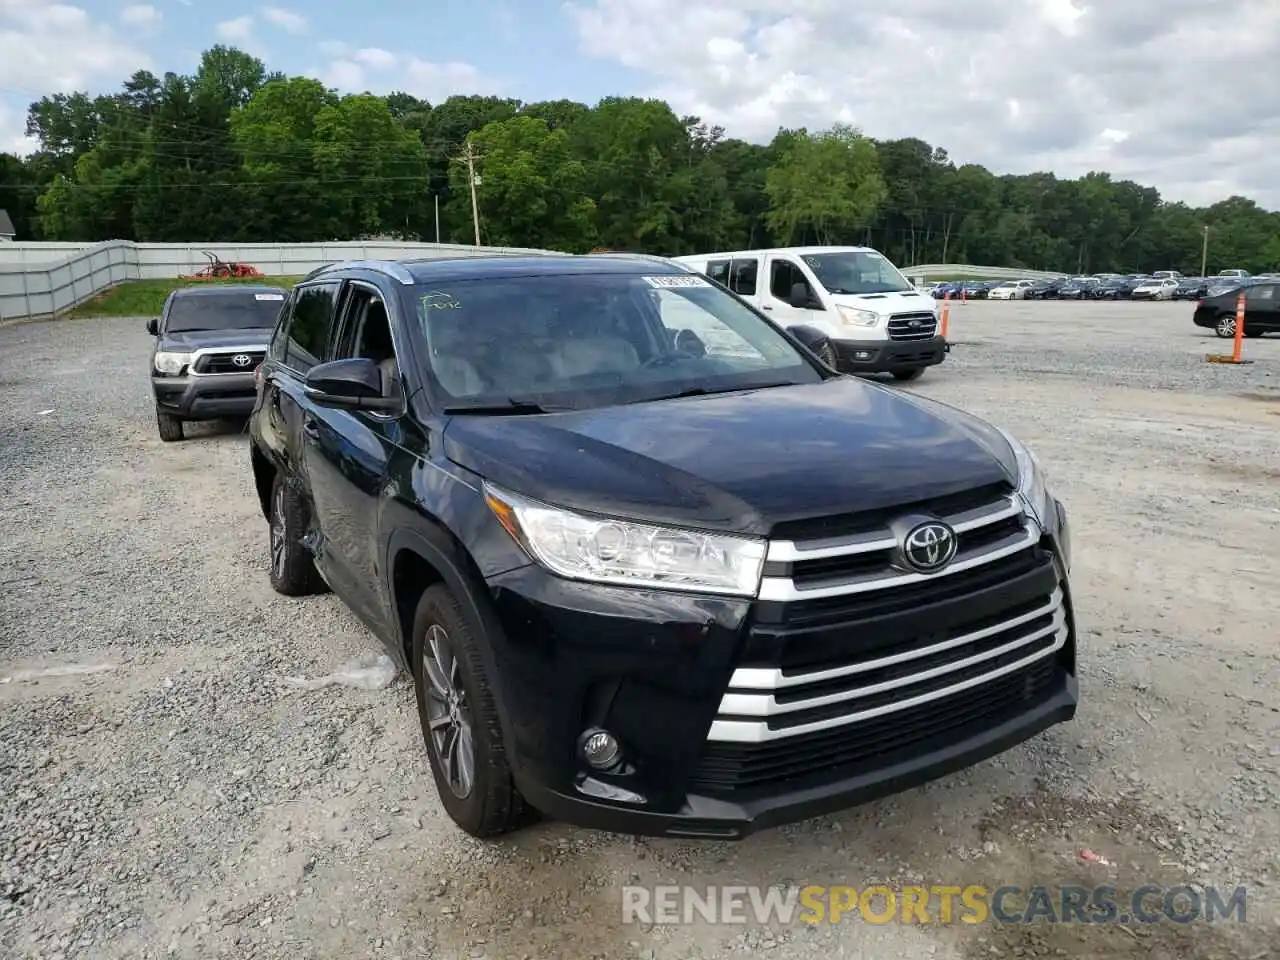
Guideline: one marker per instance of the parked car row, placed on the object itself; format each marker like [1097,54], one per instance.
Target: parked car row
[1161,285]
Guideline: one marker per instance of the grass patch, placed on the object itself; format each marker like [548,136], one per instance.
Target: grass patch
[145,298]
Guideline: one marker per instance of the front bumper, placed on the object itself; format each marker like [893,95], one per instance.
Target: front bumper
[886,356]
[205,396]
[652,668]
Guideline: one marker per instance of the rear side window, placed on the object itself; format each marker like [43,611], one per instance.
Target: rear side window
[718,270]
[311,326]
[742,276]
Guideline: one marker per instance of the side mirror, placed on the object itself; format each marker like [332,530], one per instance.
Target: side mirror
[352,384]
[153,326]
[802,299]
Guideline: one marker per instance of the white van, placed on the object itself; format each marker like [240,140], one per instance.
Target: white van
[876,320]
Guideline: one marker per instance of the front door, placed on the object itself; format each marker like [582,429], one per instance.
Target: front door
[783,273]
[1262,308]
[347,453]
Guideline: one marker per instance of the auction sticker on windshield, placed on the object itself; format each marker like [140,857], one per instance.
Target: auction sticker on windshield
[268,296]
[686,281]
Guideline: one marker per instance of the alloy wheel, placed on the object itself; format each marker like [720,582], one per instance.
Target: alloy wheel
[1226,326]
[278,537]
[448,713]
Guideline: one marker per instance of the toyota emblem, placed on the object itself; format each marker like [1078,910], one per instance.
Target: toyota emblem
[242,360]
[929,546]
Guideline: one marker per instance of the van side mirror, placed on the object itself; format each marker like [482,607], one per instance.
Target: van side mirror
[153,326]
[802,297]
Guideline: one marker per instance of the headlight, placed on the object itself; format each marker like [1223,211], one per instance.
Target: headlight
[853,317]
[604,550]
[1032,482]
[171,364]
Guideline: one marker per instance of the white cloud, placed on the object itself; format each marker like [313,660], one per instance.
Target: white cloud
[54,48]
[141,15]
[239,30]
[285,19]
[1190,85]
[382,71]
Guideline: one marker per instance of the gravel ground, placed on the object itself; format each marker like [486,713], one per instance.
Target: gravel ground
[181,802]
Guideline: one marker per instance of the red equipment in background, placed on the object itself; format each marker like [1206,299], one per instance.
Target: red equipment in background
[221,270]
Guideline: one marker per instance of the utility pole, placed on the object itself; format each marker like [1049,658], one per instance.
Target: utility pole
[1204,253]
[469,155]
[437,199]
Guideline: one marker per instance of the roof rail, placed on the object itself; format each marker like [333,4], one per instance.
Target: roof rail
[391,268]
[651,257]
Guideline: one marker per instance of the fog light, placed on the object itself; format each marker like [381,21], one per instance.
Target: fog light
[599,748]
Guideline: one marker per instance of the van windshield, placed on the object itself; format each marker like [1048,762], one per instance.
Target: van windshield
[856,271]
[569,341]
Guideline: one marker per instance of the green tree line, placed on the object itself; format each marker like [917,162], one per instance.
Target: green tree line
[234,152]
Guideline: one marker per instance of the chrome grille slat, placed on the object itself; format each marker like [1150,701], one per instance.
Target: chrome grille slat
[767,704]
[757,678]
[764,704]
[758,731]
[900,326]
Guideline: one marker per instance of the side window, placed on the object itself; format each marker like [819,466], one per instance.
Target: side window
[280,337]
[783,274]
[718,270]
[1262,292]
[743,274]
[311,325]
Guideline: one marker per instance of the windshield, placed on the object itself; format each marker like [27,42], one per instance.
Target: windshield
[856,271]
[577,341]
[219,311]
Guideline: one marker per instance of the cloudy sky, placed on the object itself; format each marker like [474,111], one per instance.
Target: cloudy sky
[1180,94]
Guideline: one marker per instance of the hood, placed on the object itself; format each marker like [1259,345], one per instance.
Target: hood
[198,339]
[905,301]
[742,462]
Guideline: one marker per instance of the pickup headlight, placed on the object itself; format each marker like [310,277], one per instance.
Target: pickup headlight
[1032,482]
[171,364]
[852,317]
[604,550]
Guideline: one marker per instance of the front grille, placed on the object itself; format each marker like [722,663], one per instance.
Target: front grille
[225,362]
[847,638]
[912,326]
[880,742]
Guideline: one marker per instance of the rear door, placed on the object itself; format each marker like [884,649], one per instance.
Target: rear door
[1262,308]
[307,342]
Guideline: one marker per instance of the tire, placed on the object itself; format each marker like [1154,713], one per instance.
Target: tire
[170,427]
[293,571]
[905,375]
[455,698]
[1225,326]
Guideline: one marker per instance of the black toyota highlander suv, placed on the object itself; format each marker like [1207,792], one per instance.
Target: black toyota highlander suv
[208,341]
[655,568]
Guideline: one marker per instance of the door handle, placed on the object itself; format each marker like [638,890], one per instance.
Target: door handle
[311,428]
[765,306]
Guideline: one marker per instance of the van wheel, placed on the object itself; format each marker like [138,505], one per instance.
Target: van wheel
[170,427]
[293,570]
[460,719]
[905,375]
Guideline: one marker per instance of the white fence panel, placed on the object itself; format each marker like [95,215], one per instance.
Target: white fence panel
[46,279]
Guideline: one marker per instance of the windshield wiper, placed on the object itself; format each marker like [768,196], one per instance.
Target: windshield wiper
[707,392]
[513,406]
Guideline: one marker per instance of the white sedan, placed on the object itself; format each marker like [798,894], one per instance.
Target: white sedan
[1011,290]
[1155,289]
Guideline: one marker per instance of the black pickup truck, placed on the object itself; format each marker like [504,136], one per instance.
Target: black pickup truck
[654,566]
[208,343]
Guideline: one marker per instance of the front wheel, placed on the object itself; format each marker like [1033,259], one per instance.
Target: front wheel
[905,375]
[169,426]
[459,717]
[1226,326]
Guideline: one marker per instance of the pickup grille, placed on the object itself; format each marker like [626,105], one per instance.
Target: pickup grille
[226,362]
[855,655]
[912,326]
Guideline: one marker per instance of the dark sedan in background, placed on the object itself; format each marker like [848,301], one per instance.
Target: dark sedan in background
[1262,309]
